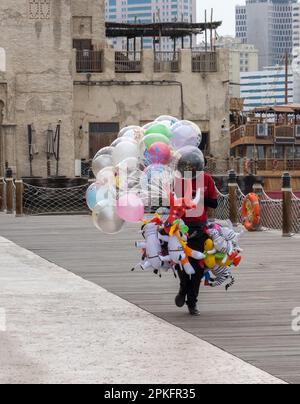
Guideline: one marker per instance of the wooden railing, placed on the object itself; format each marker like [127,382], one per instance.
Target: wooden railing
[128,62]
[251,130]
[204,62]
[88,61]
[168,62]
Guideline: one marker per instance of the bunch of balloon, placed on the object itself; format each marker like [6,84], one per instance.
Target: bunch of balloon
[139,166]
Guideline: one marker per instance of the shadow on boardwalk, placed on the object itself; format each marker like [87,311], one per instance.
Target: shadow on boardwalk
[252,320]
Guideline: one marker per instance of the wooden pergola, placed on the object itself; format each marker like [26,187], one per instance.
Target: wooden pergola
[159,30]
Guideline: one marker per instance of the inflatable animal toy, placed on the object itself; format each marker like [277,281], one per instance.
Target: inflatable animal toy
[179,252]
[152,247]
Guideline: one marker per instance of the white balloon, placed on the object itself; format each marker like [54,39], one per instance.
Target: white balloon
[128,173]
[106,177]
[127,128]
[185,133]
[106,219]
[167,120]
[123,151]
[135,134]
[101,162]
[121,140]
[104,151]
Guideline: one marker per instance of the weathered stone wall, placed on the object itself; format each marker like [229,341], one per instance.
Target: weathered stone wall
[205,96]
[37,87]
[37,38]
[89,21]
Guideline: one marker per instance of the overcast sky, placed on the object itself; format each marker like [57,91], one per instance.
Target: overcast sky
[223,10]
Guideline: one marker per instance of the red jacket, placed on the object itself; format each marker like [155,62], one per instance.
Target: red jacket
[210,193]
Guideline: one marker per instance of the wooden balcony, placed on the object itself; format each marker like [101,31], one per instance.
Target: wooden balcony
[89,61]
[277,165]
[167,62]
[128,62]
[204,62]
[263,134]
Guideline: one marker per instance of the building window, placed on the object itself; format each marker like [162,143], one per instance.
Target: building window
[39,9]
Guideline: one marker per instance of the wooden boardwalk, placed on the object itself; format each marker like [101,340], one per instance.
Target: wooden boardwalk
[252,320]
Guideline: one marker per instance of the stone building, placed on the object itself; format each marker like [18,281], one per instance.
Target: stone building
[55,68]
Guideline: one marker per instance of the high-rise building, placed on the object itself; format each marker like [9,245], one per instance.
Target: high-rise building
[296,51]
[147,11]
[266,88]
[241,23]
[242,58]
[268,25]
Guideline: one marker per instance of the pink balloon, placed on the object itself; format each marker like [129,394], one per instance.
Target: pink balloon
[159,153]
[130,208]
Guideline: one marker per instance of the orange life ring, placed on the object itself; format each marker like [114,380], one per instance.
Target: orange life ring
[251,212]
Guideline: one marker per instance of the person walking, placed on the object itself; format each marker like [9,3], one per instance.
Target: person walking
[190,284]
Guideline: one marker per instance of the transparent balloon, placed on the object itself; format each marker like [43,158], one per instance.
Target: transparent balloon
[106,193]
[123,151]
[107,178]
[127,128]
[104,151]
[128,174]
[101,162]
[106,219]
[122,140]
[156,181]
[185,133]
[135,134]
[167,120]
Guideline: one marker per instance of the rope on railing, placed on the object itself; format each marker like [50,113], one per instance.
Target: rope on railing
[45,201]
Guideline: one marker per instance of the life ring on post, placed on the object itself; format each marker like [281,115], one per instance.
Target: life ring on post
[251,210]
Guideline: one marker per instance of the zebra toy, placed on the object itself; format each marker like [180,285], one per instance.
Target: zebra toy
[226,241]
[221,275]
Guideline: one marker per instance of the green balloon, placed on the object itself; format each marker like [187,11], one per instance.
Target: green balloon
[154,138]
[161,129]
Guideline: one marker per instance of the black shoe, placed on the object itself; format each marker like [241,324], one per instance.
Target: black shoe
[194,311]
[180,300]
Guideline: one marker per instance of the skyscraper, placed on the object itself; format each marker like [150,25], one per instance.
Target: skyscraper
[146,11]
[268,25]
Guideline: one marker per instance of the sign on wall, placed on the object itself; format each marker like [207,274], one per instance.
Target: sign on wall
[39,9]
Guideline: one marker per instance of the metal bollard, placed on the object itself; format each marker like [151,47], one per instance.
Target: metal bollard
[286,205]
[232,187]
[2,195]
[19,198]
[9,195]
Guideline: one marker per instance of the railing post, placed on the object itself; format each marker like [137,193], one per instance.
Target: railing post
[258,189]
[2,195]
[232,187]
[19,198]
[9,195]
[286,205]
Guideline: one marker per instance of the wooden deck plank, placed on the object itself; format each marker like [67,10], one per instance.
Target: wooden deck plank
[251,321]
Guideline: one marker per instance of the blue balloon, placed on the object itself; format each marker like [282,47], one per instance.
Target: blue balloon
[91,196]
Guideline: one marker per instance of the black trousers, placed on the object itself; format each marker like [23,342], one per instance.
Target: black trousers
[190,284]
